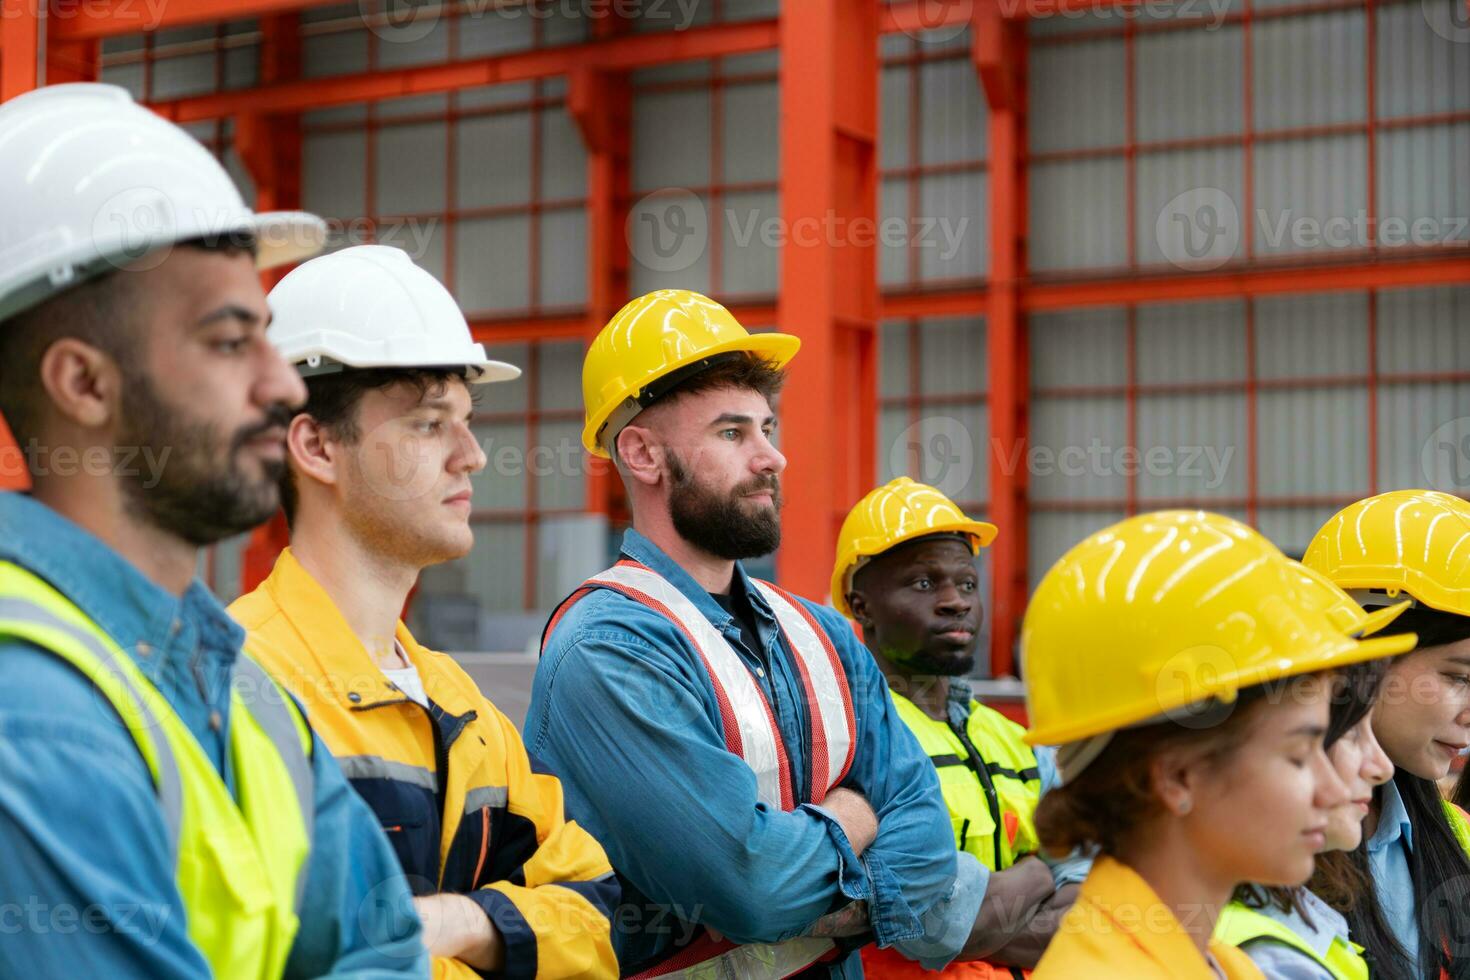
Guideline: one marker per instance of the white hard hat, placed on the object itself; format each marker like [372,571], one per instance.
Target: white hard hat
[371,307]
[93,181]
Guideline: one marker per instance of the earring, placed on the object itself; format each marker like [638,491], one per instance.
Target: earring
[1184,807]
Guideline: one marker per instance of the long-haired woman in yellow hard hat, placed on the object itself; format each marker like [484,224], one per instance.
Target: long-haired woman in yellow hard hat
[1302,932]
[1412,545]
[1178,661]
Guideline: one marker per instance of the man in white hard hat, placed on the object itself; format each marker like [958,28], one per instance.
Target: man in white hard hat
[733,746]
[378,487]
[166,810]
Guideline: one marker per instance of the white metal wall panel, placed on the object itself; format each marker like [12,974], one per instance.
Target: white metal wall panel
[1078,215]
[1301,186]
[749,261]
[1423,330]
[952,232]
[563,258]
[1423,187]
[411,163]
[953,119]
[491,571]
[558,463]
[953,358]
[1292,528]
[334,42]
[1077,95]
[1310,70]
[893,255]
[420,42]
[893,358]
[1188,342]
[658,162]
[563,156]
[751,132]
[491,267]
[893,110]
[333,181]
[494,33]
[509,396]
[1205,442]
[1421,70]
[1163,176]
[1068,435]
[1312,441]
[493,160]
[1079,348]
[1189,84]
[1424,436]
[1313,335]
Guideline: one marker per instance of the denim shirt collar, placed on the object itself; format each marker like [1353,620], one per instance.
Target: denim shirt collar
[1393,821]
[1318,928]
[642,550]
[140,615]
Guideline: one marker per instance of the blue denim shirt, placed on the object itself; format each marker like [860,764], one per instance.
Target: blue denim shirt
[1322,926]
[87,877]
[1388,861]
[623,711]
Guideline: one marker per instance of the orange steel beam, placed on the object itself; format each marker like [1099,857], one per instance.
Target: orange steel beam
[270,148]
[19,49]
[623,53]
[601,103]
[829,291]
[998,53]
[75,20]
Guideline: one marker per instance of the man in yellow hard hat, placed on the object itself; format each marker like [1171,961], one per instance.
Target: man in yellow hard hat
[166,811]
[905,572]
[732,745]
[378,487]
[1414,545]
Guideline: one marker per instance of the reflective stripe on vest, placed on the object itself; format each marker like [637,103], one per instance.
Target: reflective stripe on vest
[750,732]
[1239,924]
[998,828]
[240,867]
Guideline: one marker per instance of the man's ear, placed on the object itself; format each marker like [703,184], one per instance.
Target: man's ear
[313,452]
[83,382]
[858,603]
[639,456]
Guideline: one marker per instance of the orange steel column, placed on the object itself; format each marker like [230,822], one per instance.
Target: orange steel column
[829,283]
[270,147]
[601,101]
[998,52]
[19,48]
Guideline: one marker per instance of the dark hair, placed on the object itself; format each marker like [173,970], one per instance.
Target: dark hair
[1335,879]
[740,370]
[1438,866]
[101,312]
[333,399]
[1109,799]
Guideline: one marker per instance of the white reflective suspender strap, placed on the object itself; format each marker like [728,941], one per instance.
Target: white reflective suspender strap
[706,959]
[278,720]
[834,734]
[750,727]
[140,719]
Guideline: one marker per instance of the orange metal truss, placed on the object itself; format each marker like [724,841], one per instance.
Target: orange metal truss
[828,295]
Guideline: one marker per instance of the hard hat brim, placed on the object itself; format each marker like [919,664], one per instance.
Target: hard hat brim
[285,237]
[1376,620]
[1340,653]
[980,533]
[778,348]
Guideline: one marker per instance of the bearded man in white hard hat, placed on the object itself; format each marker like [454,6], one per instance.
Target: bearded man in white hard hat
[167,812]
[763,802]
[378,487]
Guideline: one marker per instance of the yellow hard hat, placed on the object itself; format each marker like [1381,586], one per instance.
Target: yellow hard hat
[1342,608]
[1170,610]
[898,511]
[652,344]
[1414,541]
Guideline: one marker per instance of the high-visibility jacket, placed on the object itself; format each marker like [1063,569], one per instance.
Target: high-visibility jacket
[751,732]
[239,865]
[1119,929]
[991,786]
[459,798]
[1240,924]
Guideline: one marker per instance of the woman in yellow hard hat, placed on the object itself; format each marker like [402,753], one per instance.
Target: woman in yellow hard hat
[1412,545]
[1303,933]
[1177,660]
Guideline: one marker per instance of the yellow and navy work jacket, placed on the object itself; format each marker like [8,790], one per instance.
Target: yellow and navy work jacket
[465,808]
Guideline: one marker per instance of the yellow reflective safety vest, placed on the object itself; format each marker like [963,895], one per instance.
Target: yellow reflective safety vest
[1459,822]
[1240,924]
[239,865]
[989,779]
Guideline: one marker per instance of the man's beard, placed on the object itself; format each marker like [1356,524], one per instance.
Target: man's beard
[201,495]
[715,523]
